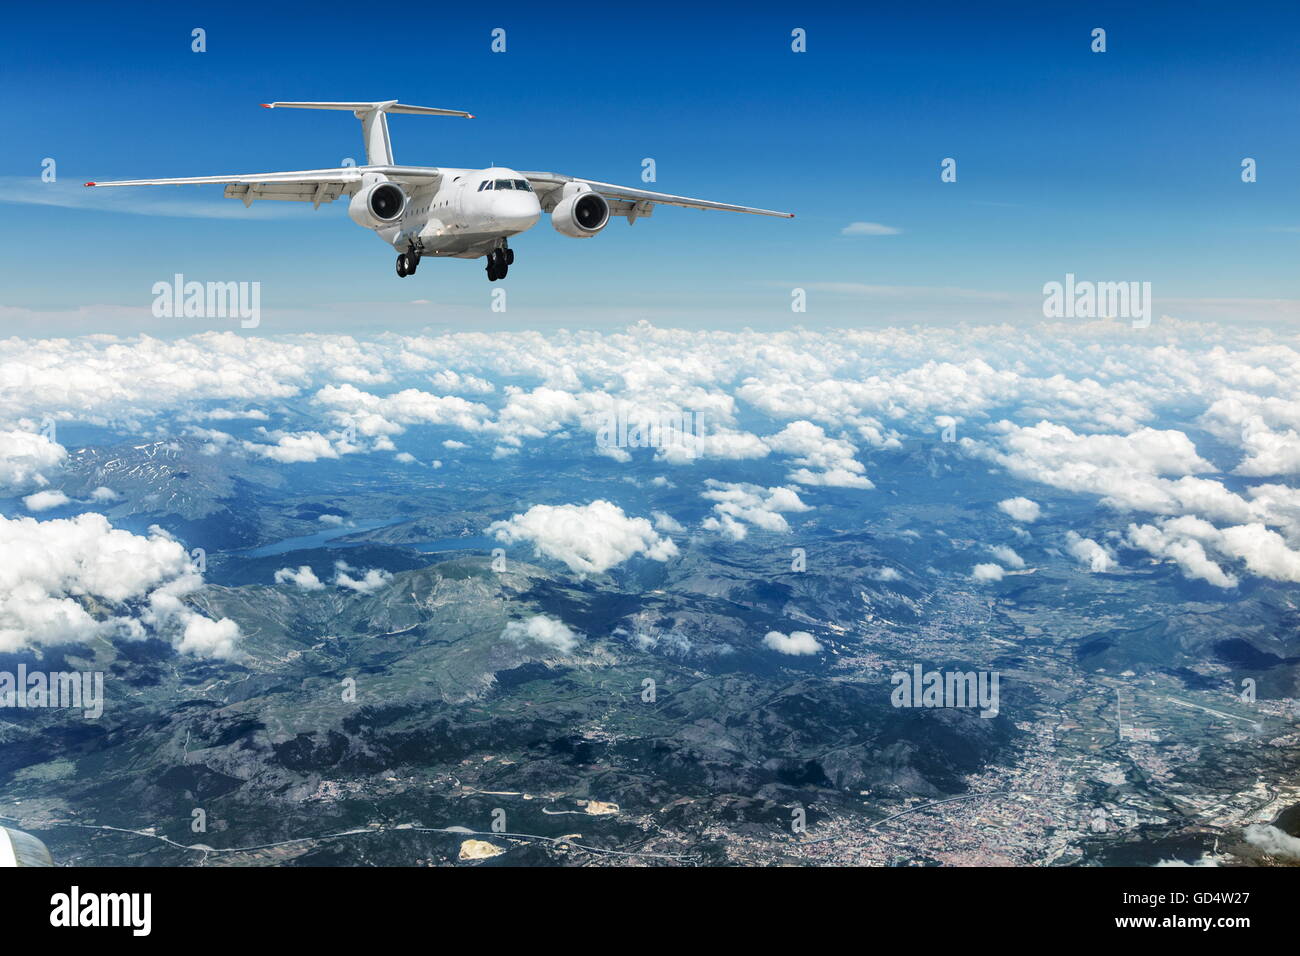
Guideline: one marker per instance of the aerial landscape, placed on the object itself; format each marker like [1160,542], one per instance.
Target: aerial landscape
[864,513]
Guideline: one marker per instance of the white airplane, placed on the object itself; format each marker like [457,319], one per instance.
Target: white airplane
[435,211]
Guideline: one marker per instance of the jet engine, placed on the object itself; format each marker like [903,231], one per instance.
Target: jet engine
[581,214]
[377,205]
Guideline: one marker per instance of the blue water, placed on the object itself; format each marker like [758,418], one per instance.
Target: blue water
[320,539]
[455,544]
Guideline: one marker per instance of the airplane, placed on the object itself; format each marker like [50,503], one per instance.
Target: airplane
[436,211]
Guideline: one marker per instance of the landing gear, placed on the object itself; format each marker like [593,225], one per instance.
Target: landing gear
[498,263]
[407,263]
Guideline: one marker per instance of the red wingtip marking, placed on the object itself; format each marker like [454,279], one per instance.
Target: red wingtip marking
[267,106]
[89,184]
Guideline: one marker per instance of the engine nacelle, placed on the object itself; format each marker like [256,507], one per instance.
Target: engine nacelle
[378,204]
[580,214]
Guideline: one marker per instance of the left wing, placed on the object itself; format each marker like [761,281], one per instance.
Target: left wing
[630,202]
[309,185]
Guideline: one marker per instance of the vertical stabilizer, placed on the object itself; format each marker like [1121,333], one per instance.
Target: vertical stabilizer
[374,122]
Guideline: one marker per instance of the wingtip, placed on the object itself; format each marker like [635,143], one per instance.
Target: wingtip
[789,215]
[87,184]
[267,106]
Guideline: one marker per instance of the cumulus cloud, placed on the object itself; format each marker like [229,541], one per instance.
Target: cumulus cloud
[1020,509]
[666,522]
[304,578]
[369,580]
[1086,413]
[1182,543]
[71,580]
[1273,841]
[825,460]
[987,572]
[291,449]
[27,459]
[1007,556]
[868,229]
[740,505]
[796,643]
[545,630]
[45,500]
[1089,553]
[884,574]
[588,539]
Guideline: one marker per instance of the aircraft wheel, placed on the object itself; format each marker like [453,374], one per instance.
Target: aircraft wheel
[492,269]
[412,263]
[502,269]
[510,257]
[401,265]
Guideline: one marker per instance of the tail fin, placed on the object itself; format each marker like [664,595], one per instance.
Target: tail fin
[374,122]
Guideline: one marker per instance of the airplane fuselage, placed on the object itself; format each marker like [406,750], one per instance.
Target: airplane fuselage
[466,215]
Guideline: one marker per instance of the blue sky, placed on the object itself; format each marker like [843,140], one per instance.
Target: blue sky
[1116,166]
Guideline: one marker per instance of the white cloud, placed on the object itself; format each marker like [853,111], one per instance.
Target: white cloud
[27,459]
[884,574]
[370,580]
[666,522]
[290,449]
[1180,544]
[1007,556]
[71,580]
[588,539]
[1273,841]
[304,578]
[868,229]
[1021,509]
[797,643]
[45,500]
[1082,407]
[549,631]
[987,572]
[739,505]
[1089,553]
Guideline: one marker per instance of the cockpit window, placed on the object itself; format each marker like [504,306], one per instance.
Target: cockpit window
[523,184]
[505,184]
[485,184]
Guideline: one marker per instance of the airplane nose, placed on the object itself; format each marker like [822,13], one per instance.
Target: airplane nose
[519,212]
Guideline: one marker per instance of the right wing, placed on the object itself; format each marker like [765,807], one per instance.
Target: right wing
[628,200]
[312,185]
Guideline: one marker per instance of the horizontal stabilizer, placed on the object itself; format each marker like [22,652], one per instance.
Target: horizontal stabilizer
[374,122]
[391,106]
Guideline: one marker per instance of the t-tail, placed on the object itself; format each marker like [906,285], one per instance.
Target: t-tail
[374,122]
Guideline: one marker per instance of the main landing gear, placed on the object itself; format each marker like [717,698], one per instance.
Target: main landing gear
[407,263]
[499,262]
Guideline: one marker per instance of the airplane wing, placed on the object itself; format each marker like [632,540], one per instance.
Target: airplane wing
[628,201]
[309,185]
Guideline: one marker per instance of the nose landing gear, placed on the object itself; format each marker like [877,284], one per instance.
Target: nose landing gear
[499,262]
